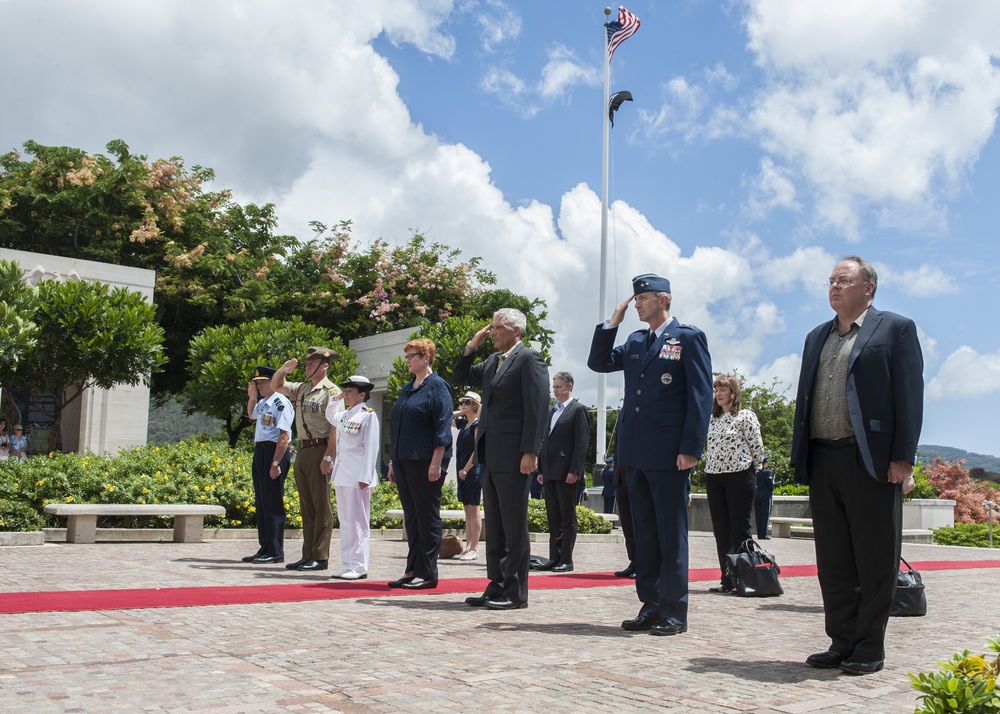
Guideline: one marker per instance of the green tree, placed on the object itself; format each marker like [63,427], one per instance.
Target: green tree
[223,359]
[89,335]
[17,308]
[157,215]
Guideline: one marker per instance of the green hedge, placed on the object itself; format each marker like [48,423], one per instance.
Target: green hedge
[974,535]
[194,471]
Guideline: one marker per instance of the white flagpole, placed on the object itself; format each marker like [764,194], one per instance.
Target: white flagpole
[602,379]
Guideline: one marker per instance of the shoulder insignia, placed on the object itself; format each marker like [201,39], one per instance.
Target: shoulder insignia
[281,407]
[367,409]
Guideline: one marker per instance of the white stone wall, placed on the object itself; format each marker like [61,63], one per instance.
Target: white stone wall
[102,421]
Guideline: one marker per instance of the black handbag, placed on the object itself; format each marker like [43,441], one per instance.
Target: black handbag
[754,570]
[910,599]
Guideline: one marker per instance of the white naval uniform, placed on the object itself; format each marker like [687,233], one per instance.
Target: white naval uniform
[357,455]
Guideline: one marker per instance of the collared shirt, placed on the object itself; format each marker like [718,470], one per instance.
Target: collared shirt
[828,415]
[274,415]
[310,407]
[557,411]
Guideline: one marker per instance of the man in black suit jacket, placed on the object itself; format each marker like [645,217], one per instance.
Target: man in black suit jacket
[858,415]
[560,467]
[512,423]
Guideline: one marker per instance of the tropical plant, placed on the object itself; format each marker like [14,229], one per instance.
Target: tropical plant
[967,684]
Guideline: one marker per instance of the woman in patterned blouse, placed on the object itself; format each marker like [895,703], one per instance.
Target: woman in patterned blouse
[733,455]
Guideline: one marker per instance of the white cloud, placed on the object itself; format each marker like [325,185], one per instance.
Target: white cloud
[966,374]
[497,24]
[925,281]
[771,188]
[877,107]
[563,71]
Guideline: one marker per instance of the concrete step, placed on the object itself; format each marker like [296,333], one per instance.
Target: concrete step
[910,535]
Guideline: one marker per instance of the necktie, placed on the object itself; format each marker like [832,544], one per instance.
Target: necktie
[500,362]
[650,339]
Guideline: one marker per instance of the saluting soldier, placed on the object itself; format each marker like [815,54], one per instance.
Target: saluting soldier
[354,473]
[661,436]
[310,400]
[273,415]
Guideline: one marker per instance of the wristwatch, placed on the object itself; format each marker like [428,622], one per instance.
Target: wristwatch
[328,458]
[275,463]
[462,472]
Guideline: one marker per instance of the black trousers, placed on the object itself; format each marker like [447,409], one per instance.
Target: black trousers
[421,501]
[505,507]
[560,508]
[857,525]
[730,500]
[269,498]
[625,511]
[762,509]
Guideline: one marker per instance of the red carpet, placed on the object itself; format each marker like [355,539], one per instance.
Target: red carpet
[80,600]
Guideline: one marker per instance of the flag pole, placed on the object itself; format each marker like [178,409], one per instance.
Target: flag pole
[602,378]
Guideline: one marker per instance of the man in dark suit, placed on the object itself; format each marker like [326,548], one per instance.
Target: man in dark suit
[512,423]
[661,436]
[858,415]
[560,467]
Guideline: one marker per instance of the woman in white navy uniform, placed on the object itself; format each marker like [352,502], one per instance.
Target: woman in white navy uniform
[354,473]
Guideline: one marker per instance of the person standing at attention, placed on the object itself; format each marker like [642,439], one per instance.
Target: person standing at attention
[661,436]
[560,468]
[310,399]
[273,433]
[858,415]
[514,381]
[354,473]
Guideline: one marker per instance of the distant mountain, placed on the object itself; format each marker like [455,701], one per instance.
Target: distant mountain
[929,452]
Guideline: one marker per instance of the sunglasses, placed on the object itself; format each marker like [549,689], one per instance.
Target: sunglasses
[464,402]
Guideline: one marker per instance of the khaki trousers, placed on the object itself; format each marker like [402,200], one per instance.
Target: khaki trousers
[314,500]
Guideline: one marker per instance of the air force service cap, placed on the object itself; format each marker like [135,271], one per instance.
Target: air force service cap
[650,283]
[262,373]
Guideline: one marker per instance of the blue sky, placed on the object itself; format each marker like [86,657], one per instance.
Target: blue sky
[767,139]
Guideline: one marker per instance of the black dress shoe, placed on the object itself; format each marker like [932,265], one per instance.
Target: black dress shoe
[859,665]
[669,626]
[548,565]
[420,584]
[563,568]
[401,582]
[313,565]
[268,559]
[477,600]
[629,572]
[250,558]
[296,564]
[505,604]
[825,660]
[639,623]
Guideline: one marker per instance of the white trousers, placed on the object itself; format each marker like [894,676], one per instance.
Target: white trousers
[354,514]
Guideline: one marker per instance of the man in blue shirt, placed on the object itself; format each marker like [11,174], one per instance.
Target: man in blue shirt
[274,415]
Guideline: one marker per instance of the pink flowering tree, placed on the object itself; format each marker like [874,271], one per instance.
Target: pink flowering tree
[953,481]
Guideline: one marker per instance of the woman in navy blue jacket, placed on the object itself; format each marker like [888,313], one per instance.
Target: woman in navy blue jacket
[420,425]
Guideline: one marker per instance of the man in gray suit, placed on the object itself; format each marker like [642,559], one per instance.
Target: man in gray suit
[560,468]
[514,381]
[858,415]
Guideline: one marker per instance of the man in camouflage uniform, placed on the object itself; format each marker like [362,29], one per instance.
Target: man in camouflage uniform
[310,400]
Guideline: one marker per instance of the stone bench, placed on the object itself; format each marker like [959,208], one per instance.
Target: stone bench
[909,535]
[451,515]
[782,527]
[81,526]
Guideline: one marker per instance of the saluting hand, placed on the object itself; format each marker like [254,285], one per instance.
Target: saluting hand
[480,337]
[289,366]
[619,314]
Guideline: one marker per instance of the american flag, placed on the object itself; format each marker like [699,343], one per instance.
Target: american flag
[621,29]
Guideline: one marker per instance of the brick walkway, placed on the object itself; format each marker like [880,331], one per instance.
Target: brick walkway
[426,652]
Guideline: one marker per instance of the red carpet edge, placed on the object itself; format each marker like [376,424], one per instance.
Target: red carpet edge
[130,599]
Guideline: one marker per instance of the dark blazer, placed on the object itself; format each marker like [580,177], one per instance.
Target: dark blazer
[885,393]
[564,449]
[515,401]
[668,393]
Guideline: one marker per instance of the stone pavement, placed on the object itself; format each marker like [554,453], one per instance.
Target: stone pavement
[428,652]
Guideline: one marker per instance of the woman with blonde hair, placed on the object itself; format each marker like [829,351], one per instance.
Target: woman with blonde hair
[734,453]
[470,480]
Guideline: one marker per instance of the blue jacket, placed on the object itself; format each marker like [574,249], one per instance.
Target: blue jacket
[420,420]
[668,393]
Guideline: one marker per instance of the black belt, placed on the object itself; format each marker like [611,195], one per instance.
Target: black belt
[837,443]
[309,443]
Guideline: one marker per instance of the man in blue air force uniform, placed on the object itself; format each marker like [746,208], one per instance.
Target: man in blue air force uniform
[661,436]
